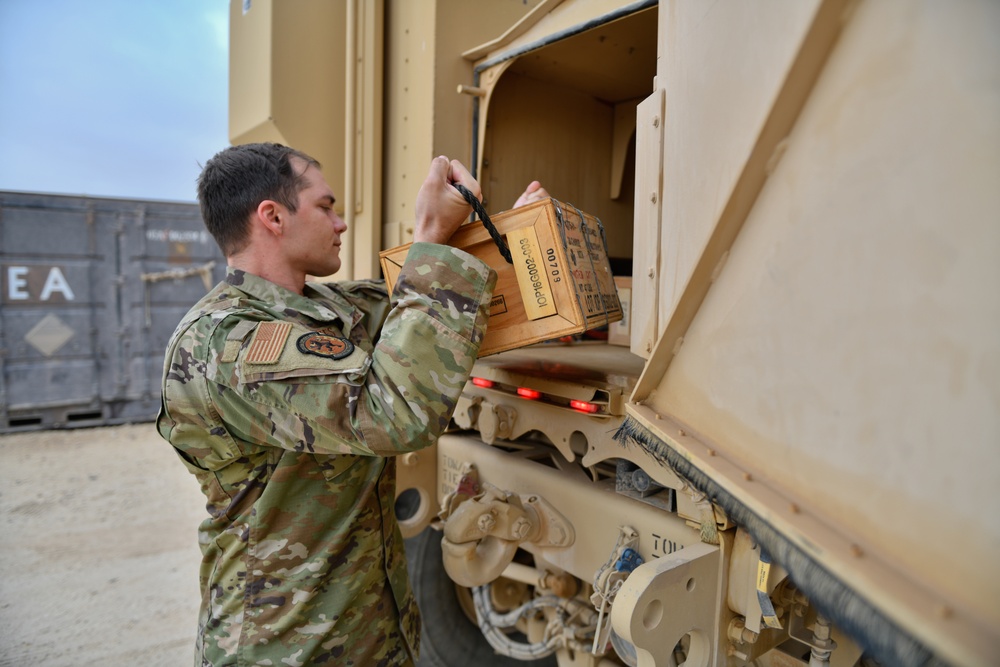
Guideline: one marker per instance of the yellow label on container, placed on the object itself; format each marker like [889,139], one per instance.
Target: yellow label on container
[532,279]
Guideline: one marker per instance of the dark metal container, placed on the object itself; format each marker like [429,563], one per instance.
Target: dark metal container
[91,291]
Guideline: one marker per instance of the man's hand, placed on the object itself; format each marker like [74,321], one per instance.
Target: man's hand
[440,208]
[534,192]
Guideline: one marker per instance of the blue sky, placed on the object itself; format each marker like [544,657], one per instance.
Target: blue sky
[118,98]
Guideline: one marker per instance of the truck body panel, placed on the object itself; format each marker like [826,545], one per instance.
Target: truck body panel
[846,352]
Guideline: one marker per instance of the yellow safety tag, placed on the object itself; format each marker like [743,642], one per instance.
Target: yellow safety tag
[768,614]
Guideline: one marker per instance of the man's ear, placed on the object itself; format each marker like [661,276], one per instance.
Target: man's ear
[270,215]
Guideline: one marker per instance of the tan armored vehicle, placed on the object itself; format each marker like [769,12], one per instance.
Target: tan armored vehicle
[784,454]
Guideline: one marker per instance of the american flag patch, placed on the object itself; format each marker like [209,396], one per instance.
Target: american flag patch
[268,342]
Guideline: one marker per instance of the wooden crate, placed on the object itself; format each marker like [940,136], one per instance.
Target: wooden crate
[560,283]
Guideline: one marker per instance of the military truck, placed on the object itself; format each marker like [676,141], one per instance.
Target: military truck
[785,454]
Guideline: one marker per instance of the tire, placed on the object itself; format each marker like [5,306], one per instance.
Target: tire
[448,637]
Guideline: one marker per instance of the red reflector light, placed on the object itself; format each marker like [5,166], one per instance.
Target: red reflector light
[482,382]
[583,406]
[524,392]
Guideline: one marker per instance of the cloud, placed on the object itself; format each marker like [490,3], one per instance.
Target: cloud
[218,25]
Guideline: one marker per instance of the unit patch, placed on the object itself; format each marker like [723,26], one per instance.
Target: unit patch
[324,345]
[268,342]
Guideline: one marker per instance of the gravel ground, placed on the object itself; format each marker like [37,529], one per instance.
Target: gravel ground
[98,551]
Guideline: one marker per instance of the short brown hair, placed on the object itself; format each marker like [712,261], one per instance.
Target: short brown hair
[236,180]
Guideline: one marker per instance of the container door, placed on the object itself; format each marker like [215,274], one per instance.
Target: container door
[167,261]
[54,306]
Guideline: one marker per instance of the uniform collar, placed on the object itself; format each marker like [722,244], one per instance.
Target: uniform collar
[324,306]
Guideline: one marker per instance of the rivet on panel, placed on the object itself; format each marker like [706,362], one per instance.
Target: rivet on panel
[677,345]
[776,155]
[748,477]
[856,551]
[718,267]
[681,433]
[793,508]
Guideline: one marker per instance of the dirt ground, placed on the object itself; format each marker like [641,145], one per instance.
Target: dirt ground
[98,550]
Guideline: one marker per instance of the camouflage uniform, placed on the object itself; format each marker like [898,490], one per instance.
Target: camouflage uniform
[284,407]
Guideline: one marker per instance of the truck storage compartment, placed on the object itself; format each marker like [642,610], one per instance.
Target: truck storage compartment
[560,108]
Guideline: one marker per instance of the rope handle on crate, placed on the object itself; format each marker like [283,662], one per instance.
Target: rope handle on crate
[484,217]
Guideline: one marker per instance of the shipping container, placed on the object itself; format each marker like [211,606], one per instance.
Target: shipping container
[91,291]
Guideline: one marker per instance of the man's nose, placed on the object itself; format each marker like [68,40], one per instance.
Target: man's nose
[339,224]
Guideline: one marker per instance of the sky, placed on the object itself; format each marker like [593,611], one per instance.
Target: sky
[115,98]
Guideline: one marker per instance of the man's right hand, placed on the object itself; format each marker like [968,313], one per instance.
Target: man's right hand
[534,192]
[440,208]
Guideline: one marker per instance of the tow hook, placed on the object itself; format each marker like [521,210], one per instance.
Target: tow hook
[482,533]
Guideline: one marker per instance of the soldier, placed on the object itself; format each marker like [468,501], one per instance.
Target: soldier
[288,400]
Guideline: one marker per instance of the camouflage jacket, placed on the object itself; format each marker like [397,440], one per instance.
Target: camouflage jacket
[285,408]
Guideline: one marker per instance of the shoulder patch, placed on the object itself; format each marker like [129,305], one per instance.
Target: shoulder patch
[242,328]
[324,345]
[268,342]
[308,354]
[234,341]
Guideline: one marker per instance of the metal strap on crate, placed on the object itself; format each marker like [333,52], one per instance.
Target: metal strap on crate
[562,233]
[590,256]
